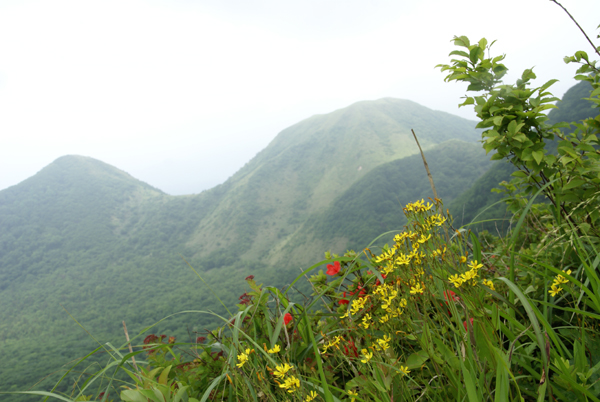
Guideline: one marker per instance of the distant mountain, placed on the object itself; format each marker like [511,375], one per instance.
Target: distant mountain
[85,237]
[573,106]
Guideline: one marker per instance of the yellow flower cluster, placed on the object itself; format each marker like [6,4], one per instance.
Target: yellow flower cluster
[470,275]
[387,294]
[357,305]
[243,357]
[276,349]
[418,206]
[367,356]
[558,280]
[416,289]
[332,343]
[383,343]
[366,321]
[290,383]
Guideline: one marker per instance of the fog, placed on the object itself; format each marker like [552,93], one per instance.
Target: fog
[181,94]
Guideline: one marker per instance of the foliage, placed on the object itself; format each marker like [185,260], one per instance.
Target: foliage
[515,129]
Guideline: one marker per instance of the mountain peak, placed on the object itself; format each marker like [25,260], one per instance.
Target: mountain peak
[84,172]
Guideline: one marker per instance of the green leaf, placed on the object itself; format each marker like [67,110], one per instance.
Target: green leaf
[547,85]
[573,184]
[512,127]
[462,41]
[459,53]
[474,54]
[132,395]
[417,359]
[164,376]
[538,156]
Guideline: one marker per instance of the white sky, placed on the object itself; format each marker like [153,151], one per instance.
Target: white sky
[181,94]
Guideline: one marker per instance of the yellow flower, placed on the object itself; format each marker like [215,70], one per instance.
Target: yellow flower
[276,349]
[554,290]
[367,356]
[424,238]
[559,279]
[366,321]
[456,280]
[471,274]
[416,289]
[311,396]
[404,370]
[463,259]
[242,358]
[389,268]
[353,395]
[383,343]
[488,283]
[291,384]
[474,265]
[402,259]
[281,371]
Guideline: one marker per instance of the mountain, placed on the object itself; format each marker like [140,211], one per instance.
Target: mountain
[309,164]
[86,238]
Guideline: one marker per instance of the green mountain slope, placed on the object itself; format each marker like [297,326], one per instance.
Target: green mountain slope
[373,205]
[573,106]
[84,237]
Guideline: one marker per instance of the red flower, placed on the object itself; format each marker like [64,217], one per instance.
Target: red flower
[352,349]
[150,339]
[448,294]
[333,269]
[465,324]
[287,318]
[200,339]
[343,301]
[249,277]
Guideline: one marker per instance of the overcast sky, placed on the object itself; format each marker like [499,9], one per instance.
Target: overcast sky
[181,94]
